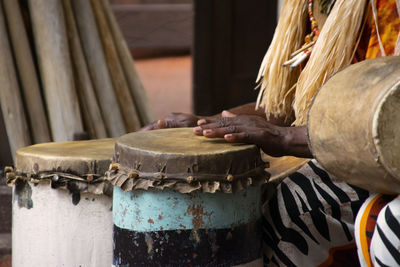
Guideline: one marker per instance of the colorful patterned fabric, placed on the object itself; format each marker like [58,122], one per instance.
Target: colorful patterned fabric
[309,221]
[388,27]
[377,231]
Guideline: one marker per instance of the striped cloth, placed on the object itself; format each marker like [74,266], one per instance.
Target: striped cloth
[309,221]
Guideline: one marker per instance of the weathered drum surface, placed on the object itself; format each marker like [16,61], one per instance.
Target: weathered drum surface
[182,200]
[62,204]
[354,125]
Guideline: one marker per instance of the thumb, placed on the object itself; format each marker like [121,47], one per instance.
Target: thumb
[227,114]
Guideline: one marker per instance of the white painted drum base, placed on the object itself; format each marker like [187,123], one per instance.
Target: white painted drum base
[49,230]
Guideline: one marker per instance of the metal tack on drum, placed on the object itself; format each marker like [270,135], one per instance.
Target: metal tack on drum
[195,201]
[62,204]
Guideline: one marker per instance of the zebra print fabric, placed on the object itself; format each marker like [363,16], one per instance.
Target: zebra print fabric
[378,231]
[309,221]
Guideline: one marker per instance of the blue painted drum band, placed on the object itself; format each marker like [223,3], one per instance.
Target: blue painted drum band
[155,210]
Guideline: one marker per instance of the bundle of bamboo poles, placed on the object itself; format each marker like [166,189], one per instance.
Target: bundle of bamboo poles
[65,70]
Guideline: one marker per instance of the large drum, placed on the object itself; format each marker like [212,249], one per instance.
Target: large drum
[184,200]
[62,204]
[354,125]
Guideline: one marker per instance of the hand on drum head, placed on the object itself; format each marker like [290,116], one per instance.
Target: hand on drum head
[273,140]
[173,120]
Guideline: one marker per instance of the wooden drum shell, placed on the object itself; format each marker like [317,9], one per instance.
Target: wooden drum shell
[181,200]
[354,125]
[62,206]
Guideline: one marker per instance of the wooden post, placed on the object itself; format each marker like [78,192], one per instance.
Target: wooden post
[10,97]
[91,111]
[56,68]
[27,73]
[135,85]
[98,67]
[121,88]
[6,158]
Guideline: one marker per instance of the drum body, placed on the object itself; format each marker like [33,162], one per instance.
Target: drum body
[353,125]
[197,207]
[60,216]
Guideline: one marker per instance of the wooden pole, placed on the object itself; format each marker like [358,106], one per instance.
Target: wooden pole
[91,111]
[27,73]
[135,85]
[98,68]
[56,68]
[6,158]
[10,97]
[121,88]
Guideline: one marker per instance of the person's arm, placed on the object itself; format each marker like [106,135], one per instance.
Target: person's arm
[272,139]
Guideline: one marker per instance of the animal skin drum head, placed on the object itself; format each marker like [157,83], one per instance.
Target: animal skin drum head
[73,156]
[79,166]
[172,157]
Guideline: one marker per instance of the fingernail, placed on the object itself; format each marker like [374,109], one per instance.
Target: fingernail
[200,122]
[208,131]
[197,129]
[228,136]
[160,124]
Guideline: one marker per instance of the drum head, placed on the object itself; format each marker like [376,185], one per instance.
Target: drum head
[177,155]
[76,157]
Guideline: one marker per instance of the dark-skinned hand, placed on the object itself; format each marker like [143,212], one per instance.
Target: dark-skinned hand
[273,140]
[173,120]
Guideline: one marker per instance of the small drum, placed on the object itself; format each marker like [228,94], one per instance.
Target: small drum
[354,125]
[62,204]
[185,200]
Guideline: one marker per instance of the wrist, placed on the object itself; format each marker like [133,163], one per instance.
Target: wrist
[295,142]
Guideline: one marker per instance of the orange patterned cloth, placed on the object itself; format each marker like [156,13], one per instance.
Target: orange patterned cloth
[388,26]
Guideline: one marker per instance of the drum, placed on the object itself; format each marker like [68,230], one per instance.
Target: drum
[185,200]
[62,204]
[353,125]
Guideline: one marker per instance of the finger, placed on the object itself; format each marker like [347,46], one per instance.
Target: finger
[241,137]
[207,121]
[221,132]
[216,123]
[161,124]
[198,131]
[169,124]
[210,130]
[186,123]
[151,126]
[228,114]
[202,121]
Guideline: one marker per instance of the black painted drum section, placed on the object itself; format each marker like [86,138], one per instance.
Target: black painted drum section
[203,247]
